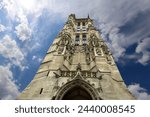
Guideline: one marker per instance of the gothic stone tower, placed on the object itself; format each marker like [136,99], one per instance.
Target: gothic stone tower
[77,66]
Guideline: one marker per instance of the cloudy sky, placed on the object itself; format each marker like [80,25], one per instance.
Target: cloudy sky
[28,27]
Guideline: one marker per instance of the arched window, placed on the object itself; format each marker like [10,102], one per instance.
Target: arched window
[84,40]
[77,40]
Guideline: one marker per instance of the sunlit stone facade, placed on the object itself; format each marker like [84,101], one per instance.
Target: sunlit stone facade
[77,66]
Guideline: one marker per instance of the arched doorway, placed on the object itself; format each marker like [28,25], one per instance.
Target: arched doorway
[77,90]
[77,93]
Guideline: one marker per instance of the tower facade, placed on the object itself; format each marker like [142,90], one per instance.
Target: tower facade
[77,66]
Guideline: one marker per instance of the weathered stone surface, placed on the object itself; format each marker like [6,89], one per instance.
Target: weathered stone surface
[78,65]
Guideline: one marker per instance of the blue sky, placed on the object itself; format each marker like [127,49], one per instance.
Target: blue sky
[28,27]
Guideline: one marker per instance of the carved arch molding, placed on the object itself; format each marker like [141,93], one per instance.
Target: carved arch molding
[77,83]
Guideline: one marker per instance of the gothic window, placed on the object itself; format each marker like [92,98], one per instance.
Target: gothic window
[77,40]
[78,23]
[78,26]
[83,26]
[84,40]
[83,23]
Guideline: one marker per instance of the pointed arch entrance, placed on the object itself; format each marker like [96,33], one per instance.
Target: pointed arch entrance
[77,90]
[77,93]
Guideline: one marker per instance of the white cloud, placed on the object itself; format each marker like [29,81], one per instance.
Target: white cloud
[11,51]
[23,31]
[8,89]
[11,8]
[35,58]
[27,7]
[2,28]
[144,48]
[119,14]
[110,17]
[16,13]
[112,14]
[39,60]
[115,41]
[139,92]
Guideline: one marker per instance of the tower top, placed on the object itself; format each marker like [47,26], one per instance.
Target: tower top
[73,16]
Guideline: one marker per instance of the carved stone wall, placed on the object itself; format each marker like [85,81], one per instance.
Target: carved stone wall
[87,66]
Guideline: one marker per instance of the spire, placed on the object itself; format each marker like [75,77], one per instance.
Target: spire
[88,16]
